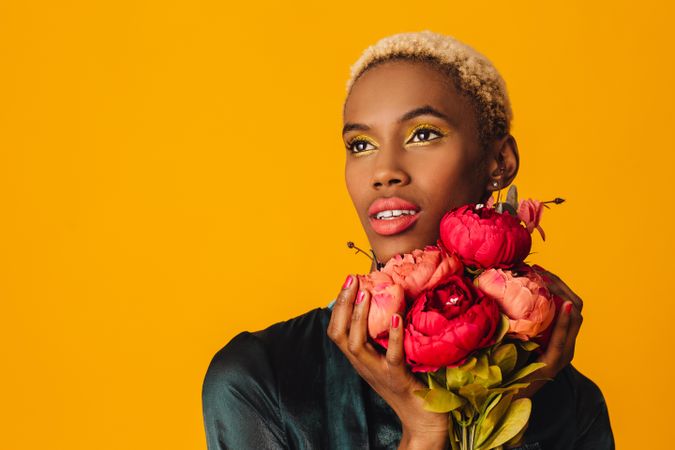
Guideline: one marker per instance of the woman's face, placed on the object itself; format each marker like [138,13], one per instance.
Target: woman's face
[413,154]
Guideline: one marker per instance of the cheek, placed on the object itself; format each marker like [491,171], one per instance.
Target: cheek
[356,183]
[450,183]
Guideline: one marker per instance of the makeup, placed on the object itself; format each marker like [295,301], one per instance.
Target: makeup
[392,215]
[360,139]
[429,128]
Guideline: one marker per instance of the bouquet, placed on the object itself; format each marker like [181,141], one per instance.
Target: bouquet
[475,316]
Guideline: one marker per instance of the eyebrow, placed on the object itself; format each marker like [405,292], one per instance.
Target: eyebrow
[421,111]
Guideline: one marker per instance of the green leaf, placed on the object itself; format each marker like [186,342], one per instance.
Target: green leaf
[481,369]
[493,399]
[513,421]
[503,328]
[525,371]
[442,401]
[421,392]
[436,379]
[469,364]
[505,357]
[512,196]
[528,345]
[476,394]
[433,383]
[515,441]
[457,377]
[493,417]
[494,377]
[515,387]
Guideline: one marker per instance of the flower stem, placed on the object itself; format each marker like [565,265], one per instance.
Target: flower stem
[350,244]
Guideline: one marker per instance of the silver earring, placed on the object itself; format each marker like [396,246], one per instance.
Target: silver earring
[495,184]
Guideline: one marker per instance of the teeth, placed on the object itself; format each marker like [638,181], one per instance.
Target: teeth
[393,213]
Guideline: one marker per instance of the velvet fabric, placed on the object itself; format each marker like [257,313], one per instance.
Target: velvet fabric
[290,387]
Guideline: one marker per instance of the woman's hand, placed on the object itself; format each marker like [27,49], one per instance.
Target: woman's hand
[560,350]
[387,375]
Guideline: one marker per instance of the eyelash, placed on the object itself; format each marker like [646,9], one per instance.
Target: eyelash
[432,129]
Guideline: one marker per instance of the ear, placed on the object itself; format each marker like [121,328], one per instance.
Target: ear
[503,162]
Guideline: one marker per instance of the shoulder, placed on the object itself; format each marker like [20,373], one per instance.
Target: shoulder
[594,430]
[241,390]
[249,357]
[587,393]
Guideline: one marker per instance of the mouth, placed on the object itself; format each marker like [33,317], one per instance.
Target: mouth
[392,215]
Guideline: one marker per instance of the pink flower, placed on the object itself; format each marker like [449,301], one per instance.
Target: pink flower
[448,323]
[422,269]
[530,211]
[484,238]
[386,299]
[524,299]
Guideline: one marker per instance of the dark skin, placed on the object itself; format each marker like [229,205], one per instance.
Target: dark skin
[437,167]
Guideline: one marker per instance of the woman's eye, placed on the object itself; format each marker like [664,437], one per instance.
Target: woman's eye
[359,145]
[424,135]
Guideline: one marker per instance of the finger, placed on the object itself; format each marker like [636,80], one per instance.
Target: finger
[564,289]
[342,311]
[357,342]
[558,341]
[394,354]
[575,324]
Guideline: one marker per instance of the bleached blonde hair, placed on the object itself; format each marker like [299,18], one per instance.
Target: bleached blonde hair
[473,74]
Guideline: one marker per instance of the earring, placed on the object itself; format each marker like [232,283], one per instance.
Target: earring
[495,184]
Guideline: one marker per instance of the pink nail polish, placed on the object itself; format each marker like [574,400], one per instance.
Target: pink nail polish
[348,282]
[360,296]
[568,308]
[394,321]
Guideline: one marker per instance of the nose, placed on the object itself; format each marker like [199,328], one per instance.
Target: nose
[389,169]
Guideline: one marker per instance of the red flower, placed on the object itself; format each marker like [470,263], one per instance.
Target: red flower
[387,298]
[446,324]
[524,299]
[484,238]
[422,269]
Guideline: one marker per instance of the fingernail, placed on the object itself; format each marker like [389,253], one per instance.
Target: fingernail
[568,308]
[360,296]
[348,282]
[394,321]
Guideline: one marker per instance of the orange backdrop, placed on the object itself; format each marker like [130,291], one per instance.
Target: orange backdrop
[171,173]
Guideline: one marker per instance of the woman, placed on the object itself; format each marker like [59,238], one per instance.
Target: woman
[426,128]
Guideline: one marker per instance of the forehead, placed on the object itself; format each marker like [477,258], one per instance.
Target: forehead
[387,91]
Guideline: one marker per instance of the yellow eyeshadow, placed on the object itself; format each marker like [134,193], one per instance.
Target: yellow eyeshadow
[426,126]
[361,137]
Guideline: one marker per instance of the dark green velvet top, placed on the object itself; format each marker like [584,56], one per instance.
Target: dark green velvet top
[290,387]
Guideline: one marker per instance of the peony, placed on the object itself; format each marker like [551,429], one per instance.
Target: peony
[524,299]
[484,238]
[422,269]
[386,299]
[530,211]
[446,324]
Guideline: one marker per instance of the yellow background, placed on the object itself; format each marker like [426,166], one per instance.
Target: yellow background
[171,173]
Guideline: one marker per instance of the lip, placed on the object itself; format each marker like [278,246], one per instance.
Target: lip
[392,226]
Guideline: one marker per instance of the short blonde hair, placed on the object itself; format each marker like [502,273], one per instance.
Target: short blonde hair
[473,73]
